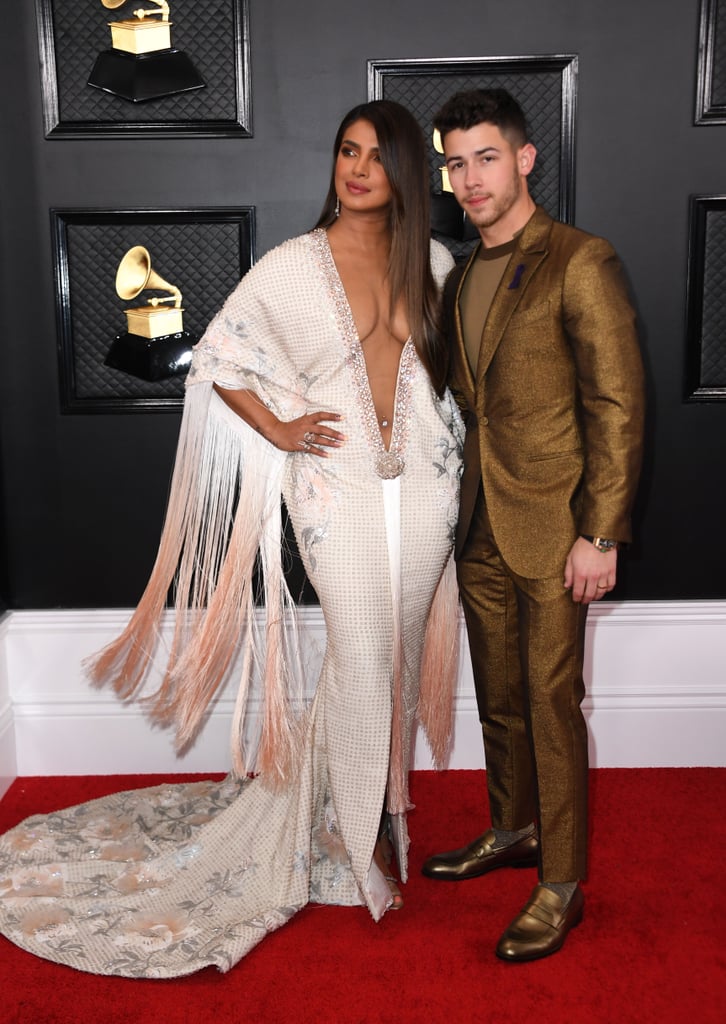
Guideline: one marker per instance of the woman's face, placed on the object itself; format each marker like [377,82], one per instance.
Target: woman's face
[360,180]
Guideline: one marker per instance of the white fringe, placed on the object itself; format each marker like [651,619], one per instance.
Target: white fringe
[224,512]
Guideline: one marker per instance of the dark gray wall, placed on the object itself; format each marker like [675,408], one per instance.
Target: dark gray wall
[84,494]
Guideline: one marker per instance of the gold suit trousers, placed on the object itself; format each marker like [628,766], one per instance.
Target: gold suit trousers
[527,648]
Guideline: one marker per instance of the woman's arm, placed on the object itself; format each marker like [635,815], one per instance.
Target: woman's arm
[306,433]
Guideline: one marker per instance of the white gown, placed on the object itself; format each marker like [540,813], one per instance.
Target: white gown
[162,882]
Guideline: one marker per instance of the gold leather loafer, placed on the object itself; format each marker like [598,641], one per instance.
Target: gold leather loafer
[479,857]
[542,927]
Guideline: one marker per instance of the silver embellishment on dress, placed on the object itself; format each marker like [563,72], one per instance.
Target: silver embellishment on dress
[312,535]
[186,854]
[388,463]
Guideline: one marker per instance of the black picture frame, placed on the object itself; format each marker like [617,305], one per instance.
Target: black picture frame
[204,252]
[706,300]
[546,87]
[711,73]
[70,38]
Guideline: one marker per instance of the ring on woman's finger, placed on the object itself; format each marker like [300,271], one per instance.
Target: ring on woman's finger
[310,436]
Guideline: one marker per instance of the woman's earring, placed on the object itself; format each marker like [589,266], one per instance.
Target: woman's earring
[337,207]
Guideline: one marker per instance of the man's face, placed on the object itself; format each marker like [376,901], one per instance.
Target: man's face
[488,175]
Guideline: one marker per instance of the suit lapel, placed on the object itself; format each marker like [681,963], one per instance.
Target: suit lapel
[522,266]
[461,354]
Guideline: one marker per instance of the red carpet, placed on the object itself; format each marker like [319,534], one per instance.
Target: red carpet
[650,950]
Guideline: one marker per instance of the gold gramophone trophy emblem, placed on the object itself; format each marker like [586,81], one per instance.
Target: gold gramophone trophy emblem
[155,346]
[143,64]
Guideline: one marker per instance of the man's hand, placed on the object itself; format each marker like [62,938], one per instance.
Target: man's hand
[590,573]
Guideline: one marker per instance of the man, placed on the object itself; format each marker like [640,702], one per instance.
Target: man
[547,371]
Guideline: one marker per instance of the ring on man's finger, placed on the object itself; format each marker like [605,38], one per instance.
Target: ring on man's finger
[601,586]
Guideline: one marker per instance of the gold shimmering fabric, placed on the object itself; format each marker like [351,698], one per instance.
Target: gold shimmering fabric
[163,882]
[554,418]
[555,409]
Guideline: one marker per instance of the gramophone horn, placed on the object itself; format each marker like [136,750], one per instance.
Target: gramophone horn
[111,5]
[134,274]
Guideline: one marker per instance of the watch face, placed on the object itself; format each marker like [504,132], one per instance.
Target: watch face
[604,545]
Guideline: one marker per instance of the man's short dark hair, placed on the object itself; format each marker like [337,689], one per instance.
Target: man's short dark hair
[467,109]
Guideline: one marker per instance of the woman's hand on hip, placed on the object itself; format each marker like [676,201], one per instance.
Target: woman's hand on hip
[310,434]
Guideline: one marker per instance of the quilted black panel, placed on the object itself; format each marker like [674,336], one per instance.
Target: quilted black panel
[205,32]
[204,259]
[713,323]
[718,82]
[539,92]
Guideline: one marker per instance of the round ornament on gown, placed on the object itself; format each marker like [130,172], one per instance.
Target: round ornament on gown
[389,465]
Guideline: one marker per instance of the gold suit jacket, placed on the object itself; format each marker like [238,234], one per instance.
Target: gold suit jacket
[554,412]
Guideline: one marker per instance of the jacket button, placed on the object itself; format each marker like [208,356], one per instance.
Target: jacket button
[484,421]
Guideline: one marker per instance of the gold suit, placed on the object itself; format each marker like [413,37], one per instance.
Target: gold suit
[554,417]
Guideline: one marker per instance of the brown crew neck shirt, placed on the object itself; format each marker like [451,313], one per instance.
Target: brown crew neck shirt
[480,284]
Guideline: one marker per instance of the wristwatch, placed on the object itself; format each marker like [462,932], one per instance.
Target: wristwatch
[603,544]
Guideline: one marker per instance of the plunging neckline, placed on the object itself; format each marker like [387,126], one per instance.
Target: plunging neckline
[389,462]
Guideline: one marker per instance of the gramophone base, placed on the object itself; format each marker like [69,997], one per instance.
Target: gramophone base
[152,359]
[144,76]
[448,218]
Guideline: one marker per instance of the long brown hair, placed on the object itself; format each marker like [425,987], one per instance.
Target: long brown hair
[402,149]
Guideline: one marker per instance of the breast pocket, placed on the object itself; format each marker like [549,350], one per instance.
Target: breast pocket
[534,334]
[530,314]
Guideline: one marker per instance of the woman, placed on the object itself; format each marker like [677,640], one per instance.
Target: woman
[321,379]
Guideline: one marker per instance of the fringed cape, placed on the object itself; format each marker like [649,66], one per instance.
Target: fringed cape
[223,521]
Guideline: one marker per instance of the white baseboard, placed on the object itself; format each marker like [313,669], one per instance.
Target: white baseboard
[655,675]
[8,757]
